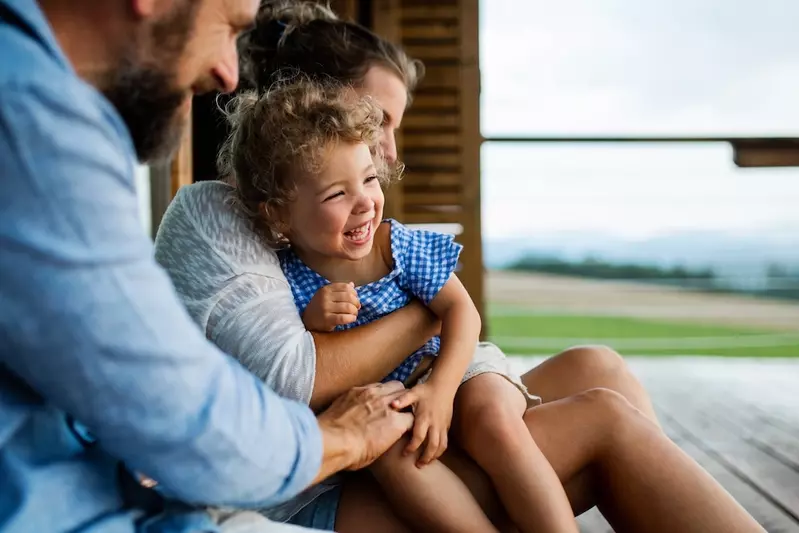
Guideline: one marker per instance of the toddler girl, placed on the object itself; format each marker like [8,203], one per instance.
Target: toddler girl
[306,160]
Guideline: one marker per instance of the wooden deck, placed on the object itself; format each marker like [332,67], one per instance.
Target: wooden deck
[740,420]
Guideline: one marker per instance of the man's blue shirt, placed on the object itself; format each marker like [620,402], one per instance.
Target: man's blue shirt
[91,329]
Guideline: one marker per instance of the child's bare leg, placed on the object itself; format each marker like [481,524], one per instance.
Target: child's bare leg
[431,498]
[489,425]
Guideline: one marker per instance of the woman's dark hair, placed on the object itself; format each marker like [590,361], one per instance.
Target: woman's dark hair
[309,37]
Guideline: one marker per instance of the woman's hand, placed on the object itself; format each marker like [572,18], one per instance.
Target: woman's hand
[335,304]
[432,409]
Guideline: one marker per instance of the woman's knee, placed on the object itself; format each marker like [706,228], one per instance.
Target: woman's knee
[605,400]
[612,409]
[595,360]
[604,367]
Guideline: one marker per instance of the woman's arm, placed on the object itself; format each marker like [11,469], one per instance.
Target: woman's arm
[257,322]
[460,332]
[368,353]
[235,289]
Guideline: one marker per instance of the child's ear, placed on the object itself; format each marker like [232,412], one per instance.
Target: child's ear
[276,216]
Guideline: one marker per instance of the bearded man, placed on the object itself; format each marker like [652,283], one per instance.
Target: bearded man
[103,375]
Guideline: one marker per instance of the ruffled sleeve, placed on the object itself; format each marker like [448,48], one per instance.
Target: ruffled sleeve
[427,259]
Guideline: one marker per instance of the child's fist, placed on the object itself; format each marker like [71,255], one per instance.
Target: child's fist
[333,305]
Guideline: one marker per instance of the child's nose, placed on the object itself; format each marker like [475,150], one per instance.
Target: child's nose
[363,205]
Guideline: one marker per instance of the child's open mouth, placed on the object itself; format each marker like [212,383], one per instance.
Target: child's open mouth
[359,235]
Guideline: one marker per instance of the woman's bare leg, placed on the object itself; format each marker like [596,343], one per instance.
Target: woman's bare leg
[489,424]
[431,498]
[647,483]
[364,508]
[587,367]
[604,451]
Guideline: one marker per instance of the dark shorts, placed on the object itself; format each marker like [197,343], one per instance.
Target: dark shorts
[321,512]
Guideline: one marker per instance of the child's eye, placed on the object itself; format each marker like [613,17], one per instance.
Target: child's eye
[334,195]
[370,178]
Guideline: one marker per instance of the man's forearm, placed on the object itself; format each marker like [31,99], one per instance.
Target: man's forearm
[338,446]
[368,353]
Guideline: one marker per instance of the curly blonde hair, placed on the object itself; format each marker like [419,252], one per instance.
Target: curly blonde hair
[286,133]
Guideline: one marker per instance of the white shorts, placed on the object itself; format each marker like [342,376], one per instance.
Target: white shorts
[490,359]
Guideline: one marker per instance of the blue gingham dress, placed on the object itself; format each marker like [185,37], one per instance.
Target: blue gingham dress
[423,263]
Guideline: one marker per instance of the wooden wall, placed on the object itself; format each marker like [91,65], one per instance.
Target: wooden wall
[440,137]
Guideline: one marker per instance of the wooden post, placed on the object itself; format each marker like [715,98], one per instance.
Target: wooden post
[346,9]
[471,141]
[181,172]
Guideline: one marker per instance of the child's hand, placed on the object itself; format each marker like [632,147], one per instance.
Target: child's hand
[333,305]
[432,409]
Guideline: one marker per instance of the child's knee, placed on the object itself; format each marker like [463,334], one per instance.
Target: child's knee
[489,400]
[395,461]
[491,425]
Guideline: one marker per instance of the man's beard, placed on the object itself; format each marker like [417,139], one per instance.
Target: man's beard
[145,94]
[149,107]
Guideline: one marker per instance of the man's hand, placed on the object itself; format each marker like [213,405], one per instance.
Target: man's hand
[432,408]
[360,426]
[333,305]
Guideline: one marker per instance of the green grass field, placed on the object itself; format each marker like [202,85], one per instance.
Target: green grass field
[520,332]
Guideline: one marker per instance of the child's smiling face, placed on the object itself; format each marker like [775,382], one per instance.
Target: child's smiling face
[336,213]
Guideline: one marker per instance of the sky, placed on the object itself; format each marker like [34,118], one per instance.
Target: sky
[636,67]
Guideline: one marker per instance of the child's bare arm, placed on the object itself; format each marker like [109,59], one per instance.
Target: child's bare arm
[460,331]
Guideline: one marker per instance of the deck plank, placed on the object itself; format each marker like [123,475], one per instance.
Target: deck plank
[770,516]
[739,419]
[727,411]
[736,479]
[756,428]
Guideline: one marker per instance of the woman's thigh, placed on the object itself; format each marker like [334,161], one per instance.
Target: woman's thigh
[583,368]
[569,433]
[363,508]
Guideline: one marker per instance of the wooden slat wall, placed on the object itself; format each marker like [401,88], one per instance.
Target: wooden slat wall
[441,131]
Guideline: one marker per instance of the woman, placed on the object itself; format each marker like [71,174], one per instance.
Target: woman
[597,427]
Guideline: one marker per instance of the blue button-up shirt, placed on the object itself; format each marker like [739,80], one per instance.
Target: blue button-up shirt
[91,329]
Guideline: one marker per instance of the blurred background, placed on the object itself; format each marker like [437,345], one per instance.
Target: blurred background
[652,247]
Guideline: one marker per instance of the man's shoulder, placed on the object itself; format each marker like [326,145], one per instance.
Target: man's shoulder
[34,81]
[25,55]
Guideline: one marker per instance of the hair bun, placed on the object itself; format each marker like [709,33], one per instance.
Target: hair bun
[276,20]
[294,13]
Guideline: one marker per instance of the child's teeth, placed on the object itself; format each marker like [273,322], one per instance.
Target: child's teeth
[357,232]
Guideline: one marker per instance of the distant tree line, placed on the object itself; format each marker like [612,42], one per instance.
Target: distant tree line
[781,282]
